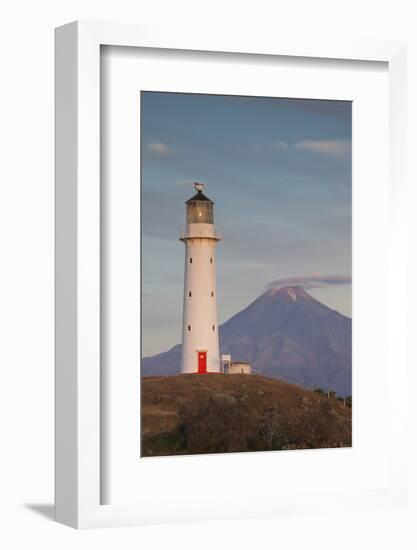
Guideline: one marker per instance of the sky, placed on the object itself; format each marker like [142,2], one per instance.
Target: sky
[279,173]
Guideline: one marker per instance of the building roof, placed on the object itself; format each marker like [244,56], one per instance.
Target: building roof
[199,196]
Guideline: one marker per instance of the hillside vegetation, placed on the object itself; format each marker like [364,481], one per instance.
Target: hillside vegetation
[192,414]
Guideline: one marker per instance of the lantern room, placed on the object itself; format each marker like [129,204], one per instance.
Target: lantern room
[199,207]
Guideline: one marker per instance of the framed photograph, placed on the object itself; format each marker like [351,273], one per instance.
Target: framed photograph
[283,198]
[230,341]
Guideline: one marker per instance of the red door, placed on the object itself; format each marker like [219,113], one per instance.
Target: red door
[202,362]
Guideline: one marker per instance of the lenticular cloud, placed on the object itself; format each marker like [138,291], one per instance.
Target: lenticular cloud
[315,280]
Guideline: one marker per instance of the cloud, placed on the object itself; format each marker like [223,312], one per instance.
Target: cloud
[333,147]
[315,280]
[159,149]
[280,146]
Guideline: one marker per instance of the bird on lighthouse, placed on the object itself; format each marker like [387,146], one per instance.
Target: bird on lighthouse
[200,337]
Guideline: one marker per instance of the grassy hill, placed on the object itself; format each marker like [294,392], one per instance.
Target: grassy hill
[192,414]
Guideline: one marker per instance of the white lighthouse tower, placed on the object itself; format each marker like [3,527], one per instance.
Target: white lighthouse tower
[200,337]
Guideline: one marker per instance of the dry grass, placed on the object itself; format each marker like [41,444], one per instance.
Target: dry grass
[190,414]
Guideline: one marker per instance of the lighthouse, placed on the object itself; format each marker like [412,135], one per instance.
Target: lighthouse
[200,336]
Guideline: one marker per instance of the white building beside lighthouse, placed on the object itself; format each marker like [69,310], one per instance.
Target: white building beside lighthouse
[200,337]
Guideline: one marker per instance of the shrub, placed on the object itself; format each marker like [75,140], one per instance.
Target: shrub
[217,427]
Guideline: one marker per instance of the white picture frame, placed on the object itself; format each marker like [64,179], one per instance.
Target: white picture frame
[78,406]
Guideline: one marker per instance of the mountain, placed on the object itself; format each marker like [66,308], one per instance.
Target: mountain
[285,334]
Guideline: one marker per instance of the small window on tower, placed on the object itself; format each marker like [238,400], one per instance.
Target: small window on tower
[191,260]
[189,294]
[189,328]
[214,328]
[211,260]
[212,294]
